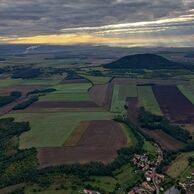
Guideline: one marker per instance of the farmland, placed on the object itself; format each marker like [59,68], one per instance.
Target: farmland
[124,176]
[43,125]
[179,165]
[120,94]
[93,145]
[148,100]
[97,79]
[87,128]
[68,92]
[188,91]
[166,141]
[98,94]
[166,96]
[65,97]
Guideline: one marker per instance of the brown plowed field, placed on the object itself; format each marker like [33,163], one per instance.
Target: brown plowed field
[133,106]
[98,94]
[100,142]
[166,141]
[77,133]
[67,104]
[174,104]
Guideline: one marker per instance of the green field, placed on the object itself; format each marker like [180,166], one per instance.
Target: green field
[106,183]
[4,83]
[188,92]
[75,96]
[125,177]
[41,82]
[52,190]
[150,150]
[131,139]
[97,79]
[68,92]
[59,185]
[120,93]
[74,87]
[179,165]
[148,100]
[9,82]
[52,129]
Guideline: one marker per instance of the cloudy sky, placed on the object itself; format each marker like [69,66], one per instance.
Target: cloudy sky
[101,22]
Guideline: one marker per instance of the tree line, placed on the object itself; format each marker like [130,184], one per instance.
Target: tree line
[4,100]
[26,103]
[153,122]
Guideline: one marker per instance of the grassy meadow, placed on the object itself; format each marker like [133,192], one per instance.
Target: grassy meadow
[179,165]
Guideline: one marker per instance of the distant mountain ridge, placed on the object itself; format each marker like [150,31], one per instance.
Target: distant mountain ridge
[140,61]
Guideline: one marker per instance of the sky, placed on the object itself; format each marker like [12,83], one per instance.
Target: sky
[126,23]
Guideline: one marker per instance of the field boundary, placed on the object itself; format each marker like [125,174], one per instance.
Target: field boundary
[77,133]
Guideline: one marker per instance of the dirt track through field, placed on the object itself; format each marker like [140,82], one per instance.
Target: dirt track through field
[109,95]
[174,104]
[100,142]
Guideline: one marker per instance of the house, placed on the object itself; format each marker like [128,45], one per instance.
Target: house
[160,176]
[131,192]
[148,187]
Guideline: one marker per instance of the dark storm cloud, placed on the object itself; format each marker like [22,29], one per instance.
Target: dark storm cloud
[34,17]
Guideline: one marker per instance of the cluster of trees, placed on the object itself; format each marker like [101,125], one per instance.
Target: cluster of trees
[189,147]
[71,75]
[26,103]
[153,122]
[5,70]
[4,100]
[96,73]
[168,157]
[26,73]
[17,191]
[10,128]
[16,166]
[40,91]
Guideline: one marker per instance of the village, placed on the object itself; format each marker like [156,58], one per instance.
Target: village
[152,181]
[188,185]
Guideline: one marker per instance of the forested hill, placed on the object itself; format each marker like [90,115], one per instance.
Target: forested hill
[147,61]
